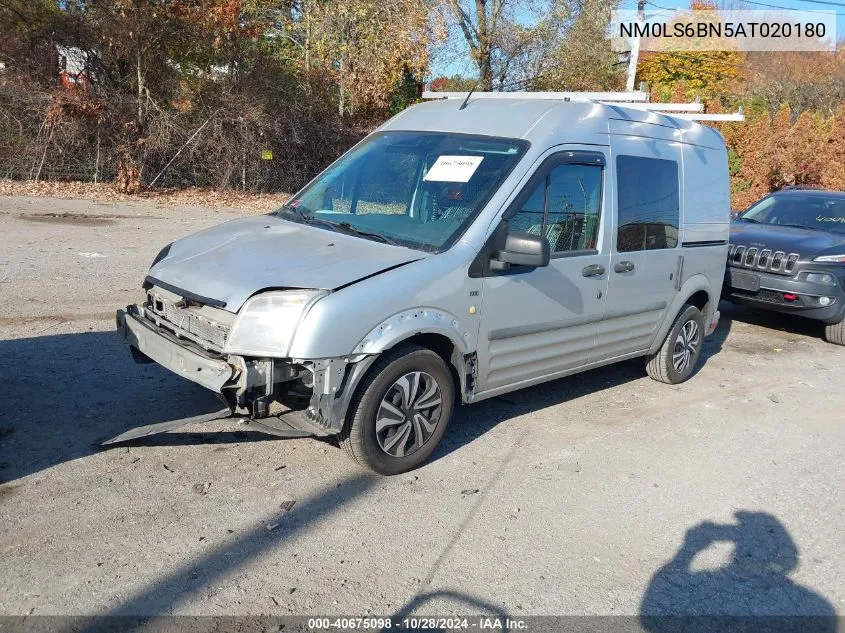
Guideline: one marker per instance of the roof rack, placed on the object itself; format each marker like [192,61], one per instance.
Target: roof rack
[638,100]
[635,95]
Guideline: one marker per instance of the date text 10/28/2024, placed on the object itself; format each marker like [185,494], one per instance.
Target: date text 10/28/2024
[482,623]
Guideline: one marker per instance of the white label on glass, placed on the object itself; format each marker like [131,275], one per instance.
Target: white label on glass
[453,168]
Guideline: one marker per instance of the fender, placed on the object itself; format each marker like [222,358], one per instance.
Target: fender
[691,286]
[408,323]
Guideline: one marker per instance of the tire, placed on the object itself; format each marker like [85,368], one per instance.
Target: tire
[686,337]
[378,433]
[835,333]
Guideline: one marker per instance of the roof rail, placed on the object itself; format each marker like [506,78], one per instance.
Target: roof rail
[695,106]
[636,95]
[724,117]
[637,100]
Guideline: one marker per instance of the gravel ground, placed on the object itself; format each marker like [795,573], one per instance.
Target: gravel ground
[604,493]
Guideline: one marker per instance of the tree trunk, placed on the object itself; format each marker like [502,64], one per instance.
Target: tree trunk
[342,103]
[485,70]
[485,65]
[140,86]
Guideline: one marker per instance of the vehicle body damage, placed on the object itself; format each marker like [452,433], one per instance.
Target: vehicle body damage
[288,392]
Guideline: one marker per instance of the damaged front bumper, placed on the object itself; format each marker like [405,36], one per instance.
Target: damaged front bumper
[167,351]
[252,388]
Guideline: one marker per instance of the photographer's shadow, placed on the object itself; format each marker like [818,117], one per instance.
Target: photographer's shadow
[753,592]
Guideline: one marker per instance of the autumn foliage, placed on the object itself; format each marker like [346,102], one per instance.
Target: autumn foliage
[251,94]
[772,150]
[259,95]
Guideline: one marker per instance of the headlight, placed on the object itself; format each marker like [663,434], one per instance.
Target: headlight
[840,259]
[267,322]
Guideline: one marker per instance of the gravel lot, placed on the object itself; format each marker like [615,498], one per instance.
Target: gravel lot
[604,493]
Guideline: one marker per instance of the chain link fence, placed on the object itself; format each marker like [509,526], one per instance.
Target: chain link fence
[74,137]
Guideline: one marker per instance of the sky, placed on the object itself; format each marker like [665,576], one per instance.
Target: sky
[453,58]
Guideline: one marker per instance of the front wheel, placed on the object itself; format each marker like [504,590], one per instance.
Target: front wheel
[676,359]
[400,411]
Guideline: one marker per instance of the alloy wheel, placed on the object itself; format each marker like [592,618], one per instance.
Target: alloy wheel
[408,414]
[686,346]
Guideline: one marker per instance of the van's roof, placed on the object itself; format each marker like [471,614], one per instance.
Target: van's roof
[541,121]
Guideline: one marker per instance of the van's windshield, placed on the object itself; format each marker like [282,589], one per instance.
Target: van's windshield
[416,189]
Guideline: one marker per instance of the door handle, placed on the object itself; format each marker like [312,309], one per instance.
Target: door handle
[595,270]
[624,267]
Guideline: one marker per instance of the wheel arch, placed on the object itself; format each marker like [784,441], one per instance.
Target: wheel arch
[696,291]
[435,329]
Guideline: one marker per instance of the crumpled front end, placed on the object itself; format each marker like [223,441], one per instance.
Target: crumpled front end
[284,396]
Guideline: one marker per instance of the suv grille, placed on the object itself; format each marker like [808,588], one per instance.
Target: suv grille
[187,323]
[762,259]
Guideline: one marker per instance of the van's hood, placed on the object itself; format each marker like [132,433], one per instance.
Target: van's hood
[231,262]
[806,242]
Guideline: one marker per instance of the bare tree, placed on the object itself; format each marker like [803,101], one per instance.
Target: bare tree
[481,22]
[515,43]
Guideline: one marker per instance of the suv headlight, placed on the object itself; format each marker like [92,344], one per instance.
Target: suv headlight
[267,322]
[840,259]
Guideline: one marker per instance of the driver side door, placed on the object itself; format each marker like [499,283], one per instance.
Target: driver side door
[541,322]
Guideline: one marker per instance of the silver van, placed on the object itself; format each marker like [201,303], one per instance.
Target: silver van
[460,251]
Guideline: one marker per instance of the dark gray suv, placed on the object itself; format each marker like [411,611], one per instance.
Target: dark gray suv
[787,253]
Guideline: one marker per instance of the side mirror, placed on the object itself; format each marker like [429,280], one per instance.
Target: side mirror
[522,249]
[735,214]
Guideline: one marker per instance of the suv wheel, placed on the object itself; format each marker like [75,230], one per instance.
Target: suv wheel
[676,359]
[835,333]
[400,411]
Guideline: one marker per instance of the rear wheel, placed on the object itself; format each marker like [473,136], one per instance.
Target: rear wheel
[400,411]
[835,333]
[676,359]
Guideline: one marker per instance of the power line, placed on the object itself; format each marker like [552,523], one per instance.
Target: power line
[774,6]
[825,2]
[770,6]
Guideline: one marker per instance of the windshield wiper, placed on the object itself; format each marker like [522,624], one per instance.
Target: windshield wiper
[346,226]
[300,216]
[751,220]
[310,220]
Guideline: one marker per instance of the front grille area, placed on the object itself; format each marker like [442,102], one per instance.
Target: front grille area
[185,321]
[762,259]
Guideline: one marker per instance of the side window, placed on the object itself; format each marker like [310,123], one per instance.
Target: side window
[648,195]
[565,208]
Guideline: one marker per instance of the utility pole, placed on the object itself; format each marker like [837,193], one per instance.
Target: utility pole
[635,48]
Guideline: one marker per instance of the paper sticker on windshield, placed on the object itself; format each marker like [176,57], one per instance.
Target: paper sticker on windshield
[453,168]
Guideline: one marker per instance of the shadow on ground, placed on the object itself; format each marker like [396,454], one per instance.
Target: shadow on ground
[752,592]
[473,421]
[459,602]
[65,394]
[788,323]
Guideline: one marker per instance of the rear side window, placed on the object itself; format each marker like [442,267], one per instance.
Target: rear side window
[649,209]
